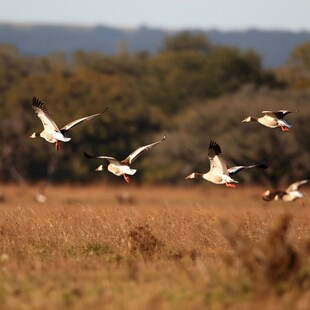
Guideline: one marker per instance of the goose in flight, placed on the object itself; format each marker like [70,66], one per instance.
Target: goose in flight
[292,193]
[123,167]
[219,173]
[272,119]
[51,133]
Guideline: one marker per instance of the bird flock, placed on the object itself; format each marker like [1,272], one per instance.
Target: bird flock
[217,174]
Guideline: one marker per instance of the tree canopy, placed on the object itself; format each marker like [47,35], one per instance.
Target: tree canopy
[181,91]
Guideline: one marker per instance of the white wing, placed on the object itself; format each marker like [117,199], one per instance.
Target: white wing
[109,158]
[59,136]
[295,186]
[217,161]
[237,169]
[41,111]
[138,152]
[78,121]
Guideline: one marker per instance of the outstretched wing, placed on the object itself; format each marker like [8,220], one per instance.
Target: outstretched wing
[237,169]
[217,161]
[278,114]
[78,121]
[138,152]
[109,158]
[42,112]
[295,186]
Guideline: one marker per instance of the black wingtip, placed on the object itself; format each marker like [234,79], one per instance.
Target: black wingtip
[215,146]
[88,155]
[268,199]
[213,143]
[263,166]
[36,101]
[106,109]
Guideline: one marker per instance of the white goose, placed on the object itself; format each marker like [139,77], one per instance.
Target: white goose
[292,193]
[123,167]
[51,133]
[272,119]
[219,173]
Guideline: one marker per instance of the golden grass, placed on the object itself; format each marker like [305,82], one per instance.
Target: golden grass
[152,248]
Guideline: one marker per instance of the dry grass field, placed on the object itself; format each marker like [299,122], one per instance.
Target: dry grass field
[203,247]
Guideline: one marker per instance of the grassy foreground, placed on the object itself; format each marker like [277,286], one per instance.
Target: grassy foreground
[100,247]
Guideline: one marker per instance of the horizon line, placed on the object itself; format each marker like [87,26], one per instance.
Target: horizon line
[151,27]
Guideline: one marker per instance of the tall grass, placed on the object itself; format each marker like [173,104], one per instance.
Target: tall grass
[171,248]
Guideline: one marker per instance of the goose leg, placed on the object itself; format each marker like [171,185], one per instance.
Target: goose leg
[284,128]
[302,203]
[126,178]
[230,184]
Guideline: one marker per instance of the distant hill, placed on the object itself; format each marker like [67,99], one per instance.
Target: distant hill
[274,46]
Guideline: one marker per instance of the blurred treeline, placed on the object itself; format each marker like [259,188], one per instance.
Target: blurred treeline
[192,91]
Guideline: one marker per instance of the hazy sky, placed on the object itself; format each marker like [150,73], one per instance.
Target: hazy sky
[168,14]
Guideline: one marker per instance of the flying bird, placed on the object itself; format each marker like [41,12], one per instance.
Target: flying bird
[123,167]
[272,119]
[292,193]
[51,133]
[219,173]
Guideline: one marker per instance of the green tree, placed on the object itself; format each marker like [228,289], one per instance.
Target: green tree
[296,72]
[287,155]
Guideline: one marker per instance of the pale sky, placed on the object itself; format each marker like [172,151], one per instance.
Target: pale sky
[168,14]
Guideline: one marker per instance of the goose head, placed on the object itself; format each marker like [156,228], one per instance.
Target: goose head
[100,168]
[34,135]
[191,176]
[249,119]
[268,195]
